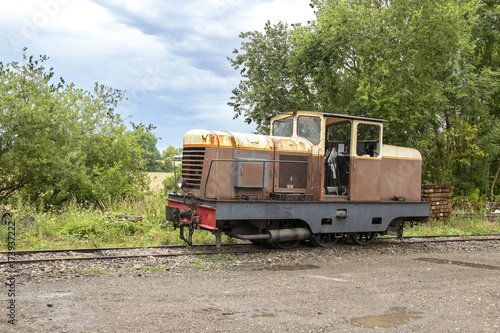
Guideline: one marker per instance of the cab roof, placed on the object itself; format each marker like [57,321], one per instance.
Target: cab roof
[332,115]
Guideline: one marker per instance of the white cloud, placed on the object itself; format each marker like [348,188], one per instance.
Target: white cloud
[170,55]
[296,11]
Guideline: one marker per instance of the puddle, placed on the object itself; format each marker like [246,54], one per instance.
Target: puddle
[398,316]
[291,268]
[459,263]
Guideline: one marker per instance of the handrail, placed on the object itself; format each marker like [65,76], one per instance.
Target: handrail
[263,170]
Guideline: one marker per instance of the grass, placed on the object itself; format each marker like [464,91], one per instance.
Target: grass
[86,226]
[95,271]
[475,224]
[152,269]
[196,263]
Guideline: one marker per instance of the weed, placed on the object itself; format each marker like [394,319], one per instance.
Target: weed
[152,269]
[471,225]
[94,271]
[223,258]
[195,263]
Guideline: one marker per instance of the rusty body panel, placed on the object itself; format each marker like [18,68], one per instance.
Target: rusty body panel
[402,173]
[236,165]
[401,178]
[386,178]
[365,179]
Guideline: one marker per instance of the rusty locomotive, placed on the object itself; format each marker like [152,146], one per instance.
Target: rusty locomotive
[318,177]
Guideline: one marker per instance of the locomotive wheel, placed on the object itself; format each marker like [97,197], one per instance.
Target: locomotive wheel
[362,238]
[283,225]
[324,240]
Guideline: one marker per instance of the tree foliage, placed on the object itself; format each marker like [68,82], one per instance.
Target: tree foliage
[270,84]
[153,160]
[147,142]
[58,142]
[430,67]
[172,156]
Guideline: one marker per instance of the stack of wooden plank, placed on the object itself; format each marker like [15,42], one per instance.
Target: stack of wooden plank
[440,198]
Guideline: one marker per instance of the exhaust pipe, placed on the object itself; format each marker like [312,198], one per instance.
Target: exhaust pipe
[284,235]
[280,235]
[248,237]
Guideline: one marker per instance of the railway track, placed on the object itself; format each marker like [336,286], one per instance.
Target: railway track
[107,253]
[110,253]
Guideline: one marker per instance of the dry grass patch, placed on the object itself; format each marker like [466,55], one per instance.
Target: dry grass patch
[157,179]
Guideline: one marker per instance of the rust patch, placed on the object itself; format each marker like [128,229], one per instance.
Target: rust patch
[227,139]
[210,139]
[292,144]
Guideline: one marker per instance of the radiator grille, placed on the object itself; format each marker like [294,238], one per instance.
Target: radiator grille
[293,175]
[192,166]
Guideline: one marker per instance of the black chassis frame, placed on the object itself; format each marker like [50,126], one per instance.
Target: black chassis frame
[320,216]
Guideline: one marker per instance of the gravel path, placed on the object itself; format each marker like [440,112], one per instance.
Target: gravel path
[393,284]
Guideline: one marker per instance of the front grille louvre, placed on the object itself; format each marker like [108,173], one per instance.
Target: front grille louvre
[192,166]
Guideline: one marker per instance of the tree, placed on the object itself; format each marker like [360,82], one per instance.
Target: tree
[486,33]
[147,141]
[168,158]
[270,84]
[59,143]
[170,155]
[430,67]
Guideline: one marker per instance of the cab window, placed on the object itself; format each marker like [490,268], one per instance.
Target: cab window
[309,128]
[283,127]
[339,137]
[368,143]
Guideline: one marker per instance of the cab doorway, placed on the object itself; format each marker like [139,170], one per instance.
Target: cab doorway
[337,159]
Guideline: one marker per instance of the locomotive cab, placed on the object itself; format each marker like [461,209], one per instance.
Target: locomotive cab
[318,175]
[356,165]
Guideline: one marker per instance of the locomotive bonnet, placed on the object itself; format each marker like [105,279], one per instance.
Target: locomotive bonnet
[318,176]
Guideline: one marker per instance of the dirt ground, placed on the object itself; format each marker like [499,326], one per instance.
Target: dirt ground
[416,292]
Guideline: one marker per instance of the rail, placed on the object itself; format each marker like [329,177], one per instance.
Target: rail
[263,171]
[244,248]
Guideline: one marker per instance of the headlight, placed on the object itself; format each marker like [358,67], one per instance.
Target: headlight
[181,182]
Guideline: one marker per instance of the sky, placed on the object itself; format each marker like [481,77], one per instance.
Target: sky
[170,57]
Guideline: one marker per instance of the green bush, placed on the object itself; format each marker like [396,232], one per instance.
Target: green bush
[170,184]
[60,143]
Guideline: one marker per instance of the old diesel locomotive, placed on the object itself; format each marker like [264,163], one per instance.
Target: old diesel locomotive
[318,176]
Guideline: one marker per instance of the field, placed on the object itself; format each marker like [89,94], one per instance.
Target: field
[157,178]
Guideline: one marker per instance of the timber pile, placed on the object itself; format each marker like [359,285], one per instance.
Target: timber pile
[440,198]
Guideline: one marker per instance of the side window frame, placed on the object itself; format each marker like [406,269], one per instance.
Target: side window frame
[316,140]
[368,140]
[346,151]
[289,120]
